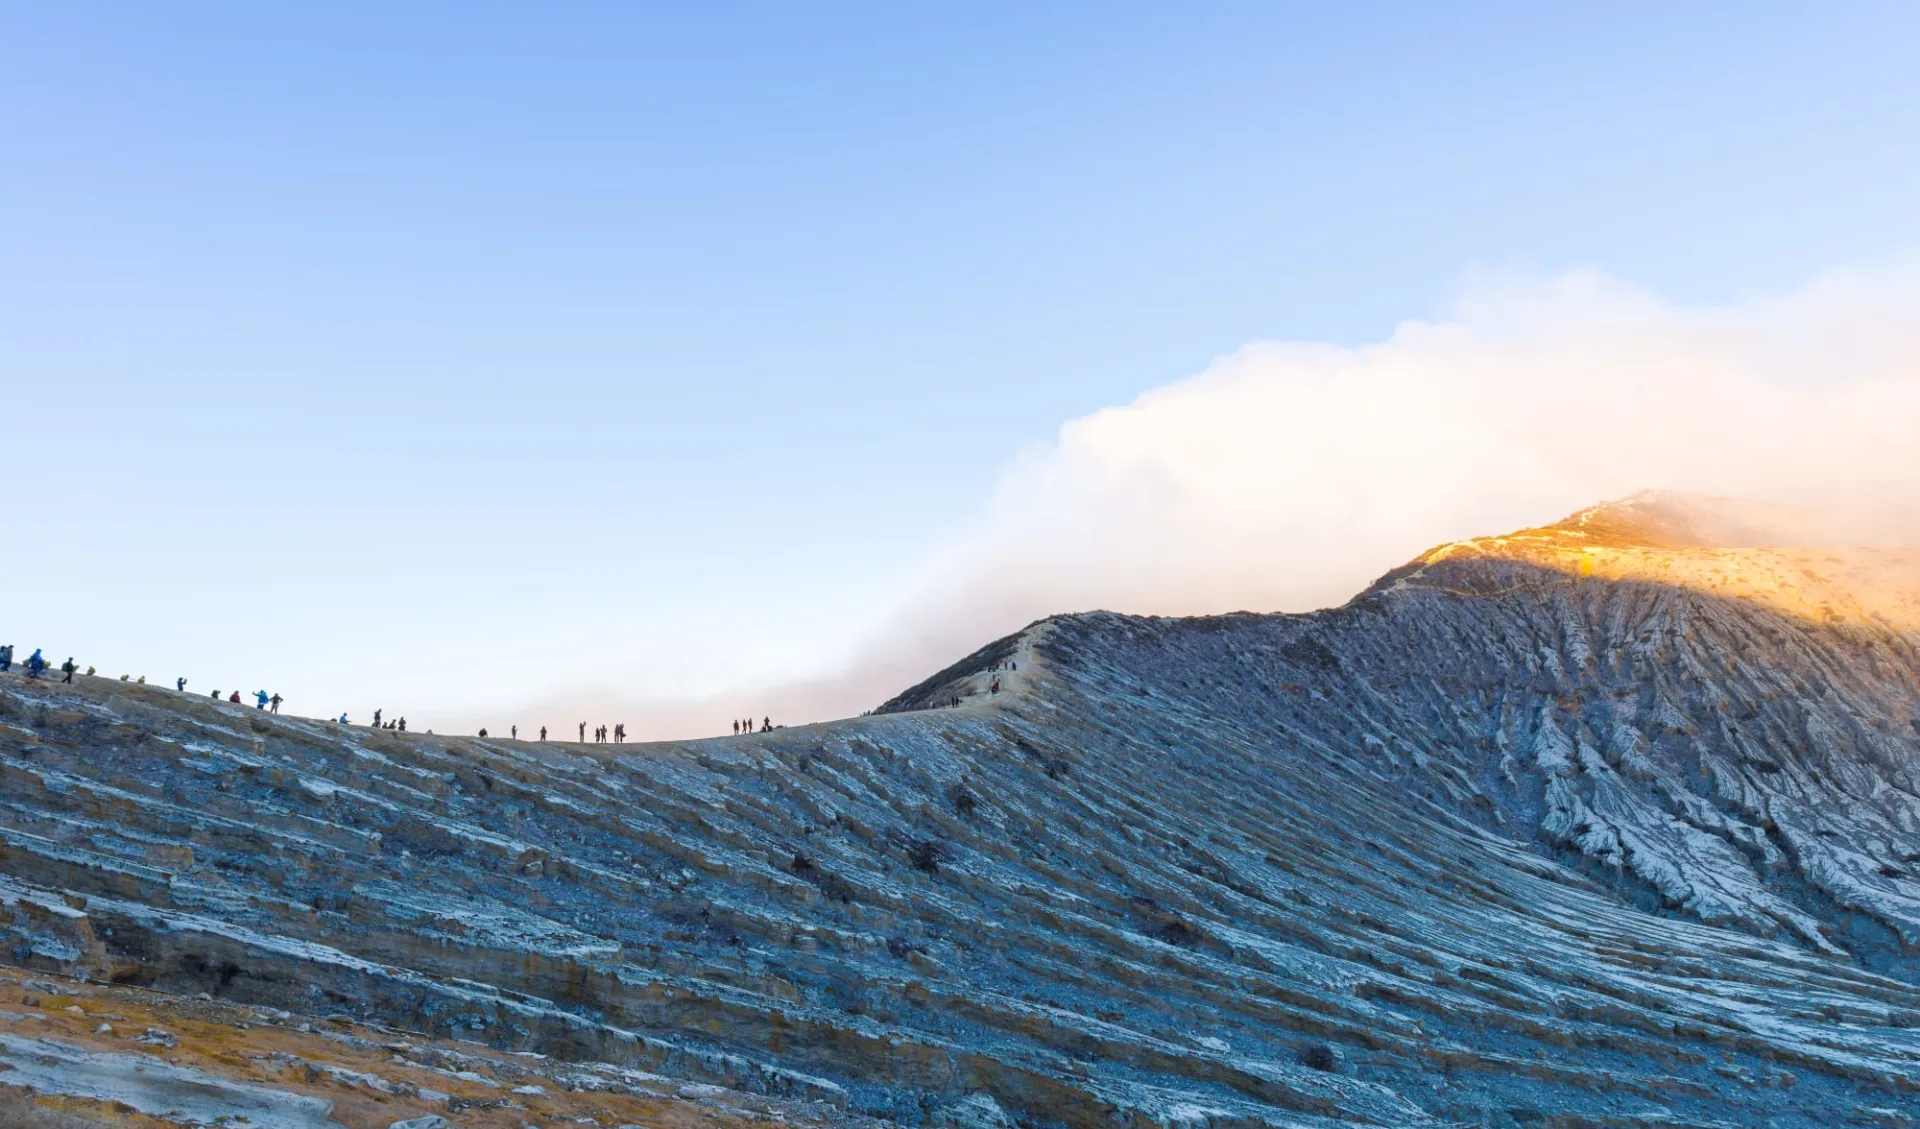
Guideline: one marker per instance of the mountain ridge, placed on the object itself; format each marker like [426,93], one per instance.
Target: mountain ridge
[1554,828]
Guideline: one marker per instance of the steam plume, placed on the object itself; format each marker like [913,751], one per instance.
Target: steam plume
[1287,475]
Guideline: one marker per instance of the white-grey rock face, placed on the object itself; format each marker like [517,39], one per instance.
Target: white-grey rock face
[1591,825]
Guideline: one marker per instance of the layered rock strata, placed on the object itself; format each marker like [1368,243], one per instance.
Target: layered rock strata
[1609,823]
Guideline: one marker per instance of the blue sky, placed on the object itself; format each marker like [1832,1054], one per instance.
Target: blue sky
[361,352]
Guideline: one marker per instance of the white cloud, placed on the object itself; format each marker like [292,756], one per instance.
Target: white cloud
[1287,475]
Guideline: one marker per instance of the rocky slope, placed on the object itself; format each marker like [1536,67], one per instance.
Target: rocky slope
[1608,823]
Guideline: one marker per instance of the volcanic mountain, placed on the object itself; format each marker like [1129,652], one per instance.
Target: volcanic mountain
[1614,822]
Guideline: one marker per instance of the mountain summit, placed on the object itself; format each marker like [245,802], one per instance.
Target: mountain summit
[1611,822]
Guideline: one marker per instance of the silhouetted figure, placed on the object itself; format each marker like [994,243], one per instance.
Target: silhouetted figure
[275,702]
[235,699]
[376,719]
[68,668]
[736,727]
[513,731]
[583,733]
[180,684]
[543,733]
[36,664]
[620,734]
[483,732]
[403,725]
[215,695]
[766,725]
[6,658]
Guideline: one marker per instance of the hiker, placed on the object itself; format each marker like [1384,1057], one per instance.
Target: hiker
[275,701]
[620,733]
[343,718]
[514,731]
[403,725]
[483,731]
[215,695]
[36,664]
[583,733]
[376,719]
[180,684]
[68,668]
[235,699]
[6,658]
[543,733]
[766,725]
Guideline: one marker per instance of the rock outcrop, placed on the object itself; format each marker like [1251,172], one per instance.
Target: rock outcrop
[1609,823]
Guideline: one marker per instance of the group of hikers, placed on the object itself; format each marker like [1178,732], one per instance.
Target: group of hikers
[992,687]
[601,733]
[36,667]
[37,664]
[261,699]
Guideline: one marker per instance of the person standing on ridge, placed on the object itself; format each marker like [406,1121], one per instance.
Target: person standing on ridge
[514,731]
[6,658]
[68,668]
[234,698]
[36,664]
[260,699]
[275,701]
[403,725]
[543,733]
[180,684]
[583,733]
[376,719]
